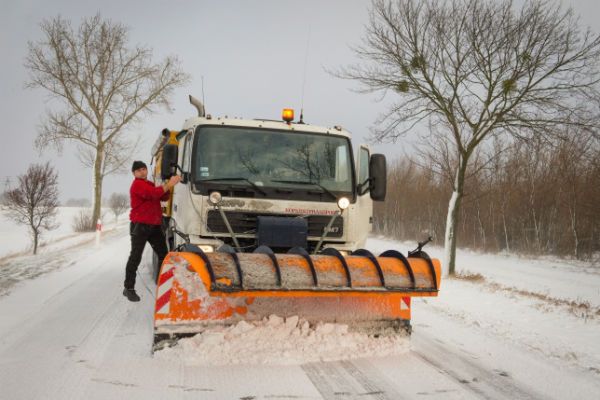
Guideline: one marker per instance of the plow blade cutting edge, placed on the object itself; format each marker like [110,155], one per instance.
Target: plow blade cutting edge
[197,290]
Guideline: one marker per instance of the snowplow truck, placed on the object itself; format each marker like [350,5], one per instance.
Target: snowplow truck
[271,217]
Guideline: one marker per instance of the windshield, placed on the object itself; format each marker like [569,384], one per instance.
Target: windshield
[273,159]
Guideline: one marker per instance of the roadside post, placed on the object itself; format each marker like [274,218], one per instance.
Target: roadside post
[98,232]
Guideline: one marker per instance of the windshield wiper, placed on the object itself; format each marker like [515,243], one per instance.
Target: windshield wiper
[325,190]
[254,185]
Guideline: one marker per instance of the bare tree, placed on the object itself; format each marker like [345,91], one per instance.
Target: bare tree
[118,203]
[475,69]
[34,200]
[103,86]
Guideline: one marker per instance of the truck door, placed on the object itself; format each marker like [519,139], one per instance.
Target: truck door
[364,217]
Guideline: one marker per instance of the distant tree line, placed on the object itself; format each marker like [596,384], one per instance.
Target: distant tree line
[532,197]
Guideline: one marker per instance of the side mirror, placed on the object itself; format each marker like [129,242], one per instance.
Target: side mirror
[168,165]
[378,177]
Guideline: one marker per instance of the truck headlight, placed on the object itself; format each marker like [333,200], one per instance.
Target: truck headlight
[215,198]
[343,203]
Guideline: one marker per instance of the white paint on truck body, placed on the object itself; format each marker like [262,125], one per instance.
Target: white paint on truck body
[190,208]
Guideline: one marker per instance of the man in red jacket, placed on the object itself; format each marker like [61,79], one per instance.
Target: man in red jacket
[146,219]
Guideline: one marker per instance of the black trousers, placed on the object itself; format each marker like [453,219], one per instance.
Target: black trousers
[140,234]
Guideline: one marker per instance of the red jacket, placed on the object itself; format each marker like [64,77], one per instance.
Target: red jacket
[145,202]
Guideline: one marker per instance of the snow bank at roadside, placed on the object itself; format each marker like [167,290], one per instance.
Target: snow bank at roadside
[278,341]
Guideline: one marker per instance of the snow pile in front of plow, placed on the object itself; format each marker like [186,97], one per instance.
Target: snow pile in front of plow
[279,341]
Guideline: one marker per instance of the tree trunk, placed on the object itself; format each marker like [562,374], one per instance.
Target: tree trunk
[573,212]
[36,235]
[480,227]
[96,210]
[536,227]
[452,219]
[492,217]
[506,243]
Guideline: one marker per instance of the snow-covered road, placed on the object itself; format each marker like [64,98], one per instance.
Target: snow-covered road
[70,334]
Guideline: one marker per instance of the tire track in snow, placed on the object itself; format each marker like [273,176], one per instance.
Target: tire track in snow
[87,255]
[471,375]
[90,345]
[68,332]
[345,380]
[36,309]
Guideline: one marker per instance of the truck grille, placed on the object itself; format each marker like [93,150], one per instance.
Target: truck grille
[245,223]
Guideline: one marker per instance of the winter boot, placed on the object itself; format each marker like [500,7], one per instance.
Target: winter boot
[131,294]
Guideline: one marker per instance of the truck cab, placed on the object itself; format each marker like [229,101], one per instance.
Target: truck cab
[252,183]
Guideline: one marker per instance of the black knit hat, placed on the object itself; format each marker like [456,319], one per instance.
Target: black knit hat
[137,165]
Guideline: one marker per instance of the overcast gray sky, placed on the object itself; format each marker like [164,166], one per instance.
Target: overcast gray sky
[250,53]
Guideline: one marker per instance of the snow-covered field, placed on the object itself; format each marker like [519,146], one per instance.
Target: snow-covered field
[15,239]
[510,328]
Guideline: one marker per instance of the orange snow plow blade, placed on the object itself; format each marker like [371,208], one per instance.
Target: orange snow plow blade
[197,290]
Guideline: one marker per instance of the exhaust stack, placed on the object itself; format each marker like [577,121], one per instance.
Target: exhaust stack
[199,106]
